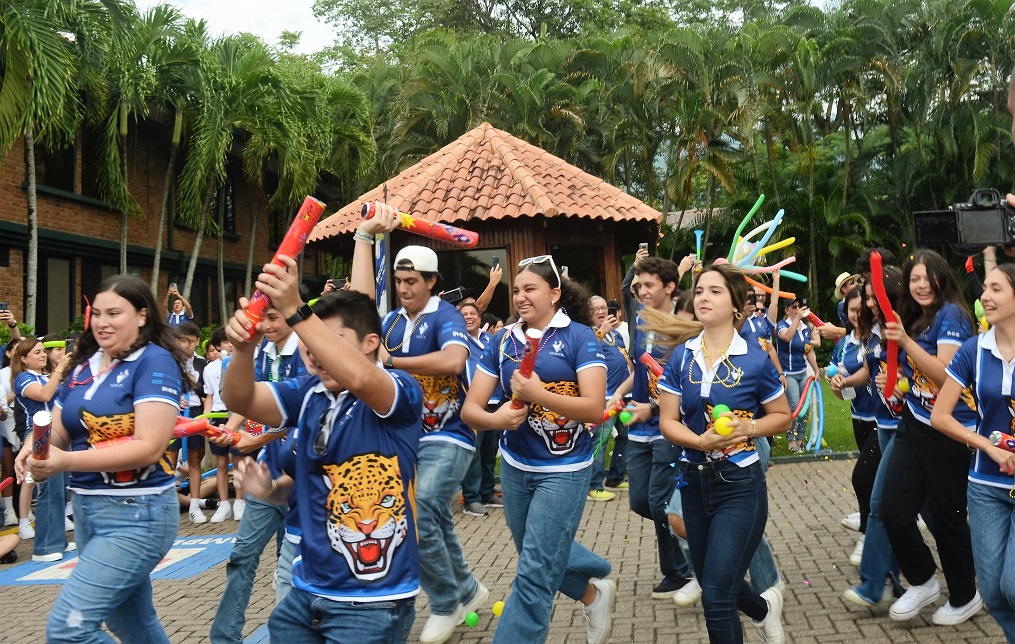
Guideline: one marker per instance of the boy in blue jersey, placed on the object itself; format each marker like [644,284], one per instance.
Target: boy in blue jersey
[358,427]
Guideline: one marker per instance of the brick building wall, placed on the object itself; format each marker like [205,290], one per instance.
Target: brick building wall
[81,235]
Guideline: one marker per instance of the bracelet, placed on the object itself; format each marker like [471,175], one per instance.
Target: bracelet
[271,490]
[13,324]
[363,237]
[701,444]
[754,428]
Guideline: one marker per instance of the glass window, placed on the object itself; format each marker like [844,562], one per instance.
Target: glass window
[470,270]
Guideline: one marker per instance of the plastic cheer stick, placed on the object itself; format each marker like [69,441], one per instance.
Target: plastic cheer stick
[1002,440]
[191,426]
[878,284]
[6,483]
[697,243]
[528,364]
[813,319]
[42,426]
[292,244]
[434,230]
[743,224]
[653,365]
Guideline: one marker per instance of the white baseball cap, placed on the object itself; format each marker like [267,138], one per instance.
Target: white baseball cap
[420,258]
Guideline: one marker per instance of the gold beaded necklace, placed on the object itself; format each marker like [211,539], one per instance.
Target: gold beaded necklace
[733,375]
[387,336]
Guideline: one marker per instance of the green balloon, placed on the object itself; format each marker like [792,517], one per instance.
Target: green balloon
[625,417]
[719,410]
[978,309]
[471,619]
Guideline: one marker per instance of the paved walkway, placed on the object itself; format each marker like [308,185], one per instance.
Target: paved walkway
[807,501]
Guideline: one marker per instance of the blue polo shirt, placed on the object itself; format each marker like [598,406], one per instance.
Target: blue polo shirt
[438,326]
[950,326]
[477,347]
[750,383]
[645,387]
[355,479]
[21,382]
[97,406]
[176,319]
[886,412]
[853,358]
[758,329]
[617,370]
[793,354]
[982,372]
[546,441]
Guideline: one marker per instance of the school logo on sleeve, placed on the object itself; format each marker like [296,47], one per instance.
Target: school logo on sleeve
[105,431]
[441,400]
[365,513]
[558,432]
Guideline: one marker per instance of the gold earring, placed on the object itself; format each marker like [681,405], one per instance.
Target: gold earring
[737,314]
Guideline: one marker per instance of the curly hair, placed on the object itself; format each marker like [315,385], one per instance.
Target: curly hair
[574,298]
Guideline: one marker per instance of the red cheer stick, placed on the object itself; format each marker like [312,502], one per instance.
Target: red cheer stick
[434,230]
[42,426]
[528,364]
[878,284]
[292,244]
[813,319]
[610,412]
[191,426]
[6,483]
[653,365]
[1002,440]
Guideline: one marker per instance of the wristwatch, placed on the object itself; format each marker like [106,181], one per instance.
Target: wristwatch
[301,314]
[388,364]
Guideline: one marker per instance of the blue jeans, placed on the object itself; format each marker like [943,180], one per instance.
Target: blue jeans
[878,561]
[618,464]
[50,536]
[120,540]
[443,573]
[992,527]
[261,521]
[725,510]
[284,573]
[543,510]
[480,479]
[303,618]
[651,473]
[763,571]
[794,386]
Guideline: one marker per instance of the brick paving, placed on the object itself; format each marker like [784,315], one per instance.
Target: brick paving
[807,501]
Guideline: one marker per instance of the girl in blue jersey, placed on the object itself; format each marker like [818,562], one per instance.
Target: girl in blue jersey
[725,501]
[983,365]
[794,344]
[852,383]
[879,570]
[34,391]
[114,415]
[926,465]
[546,451]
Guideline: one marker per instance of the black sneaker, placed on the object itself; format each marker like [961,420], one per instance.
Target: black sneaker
[667,588]
[495,501]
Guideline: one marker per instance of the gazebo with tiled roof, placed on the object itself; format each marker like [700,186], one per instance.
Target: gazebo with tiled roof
[522,200]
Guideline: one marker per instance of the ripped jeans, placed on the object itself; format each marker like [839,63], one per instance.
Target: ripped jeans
[120,540]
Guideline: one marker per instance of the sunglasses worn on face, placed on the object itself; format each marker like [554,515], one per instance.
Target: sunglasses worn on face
[541,259]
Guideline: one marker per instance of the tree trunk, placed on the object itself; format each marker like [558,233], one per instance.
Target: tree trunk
[849,158]
[708,222]
[164,211]
[247,281]
[219,250]
[32,264]
[196,251]
[771,163]
[124,215]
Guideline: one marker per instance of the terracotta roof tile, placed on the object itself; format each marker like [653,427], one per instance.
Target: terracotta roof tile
[489,174]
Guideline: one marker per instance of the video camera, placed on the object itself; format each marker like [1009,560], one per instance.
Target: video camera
[986,220]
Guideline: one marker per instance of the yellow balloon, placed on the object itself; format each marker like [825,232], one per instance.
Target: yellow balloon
[903,385]
[723,425]
[498,608]
[777,245]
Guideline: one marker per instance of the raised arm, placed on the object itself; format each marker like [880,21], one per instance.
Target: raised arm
[384,221]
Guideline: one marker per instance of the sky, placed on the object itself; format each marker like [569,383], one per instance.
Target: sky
[266,18]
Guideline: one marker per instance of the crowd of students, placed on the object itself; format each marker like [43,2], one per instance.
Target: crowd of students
[354,433]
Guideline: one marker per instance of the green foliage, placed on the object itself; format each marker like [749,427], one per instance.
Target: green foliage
[5,332]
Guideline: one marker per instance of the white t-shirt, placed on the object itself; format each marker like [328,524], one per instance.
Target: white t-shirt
[6,389]
[212,377]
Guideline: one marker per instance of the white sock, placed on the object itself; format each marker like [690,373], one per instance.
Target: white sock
[195,503]
[24,522]
[8,503]
[67,509]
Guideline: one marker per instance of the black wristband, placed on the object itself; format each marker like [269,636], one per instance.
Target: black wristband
[653,407]
[388,362]
[301,314]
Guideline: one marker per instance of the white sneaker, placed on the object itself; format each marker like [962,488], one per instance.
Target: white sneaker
[25,529]
[71,547]
[851,522]
[196,516]
[770,628]
[887,597]
[477,601]
[9,517]
[949,615]
[439,628]
[912,602]
[239,505]
[68,525]
[56,556]
[222,513]
[689,594]
[599,616]
[857,551]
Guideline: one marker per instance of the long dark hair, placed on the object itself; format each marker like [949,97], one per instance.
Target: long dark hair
[155,330]
[914,318]
[574,298]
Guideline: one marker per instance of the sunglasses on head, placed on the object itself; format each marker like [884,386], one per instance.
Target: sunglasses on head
[541,259]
